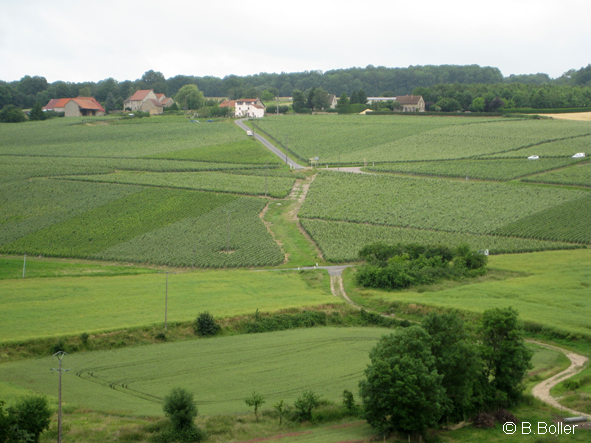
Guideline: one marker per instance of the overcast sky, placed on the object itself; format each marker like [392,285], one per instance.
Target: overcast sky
[78,40]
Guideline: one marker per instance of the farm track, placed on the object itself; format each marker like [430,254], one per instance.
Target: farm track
[541,391]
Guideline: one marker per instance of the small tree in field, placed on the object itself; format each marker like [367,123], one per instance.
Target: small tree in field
[205,325]
[180,408]
[304,405]
[255,400]
[282,409]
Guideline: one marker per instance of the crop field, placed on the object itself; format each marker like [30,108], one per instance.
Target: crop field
[553,292]
[566,222]
[14,168]
[498,169]
[579,175]
[342,241]
[149,226]
[79,137]
[355,139]
[40,307]
[453,206]
[221,372]
[564,148]
[244,151]
[278,187]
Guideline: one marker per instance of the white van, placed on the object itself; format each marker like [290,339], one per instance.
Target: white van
[579,155]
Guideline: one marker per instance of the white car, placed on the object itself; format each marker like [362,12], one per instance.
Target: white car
[579,155]
[249,133]
[533,157]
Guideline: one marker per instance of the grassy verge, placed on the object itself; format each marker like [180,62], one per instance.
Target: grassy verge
[299,249]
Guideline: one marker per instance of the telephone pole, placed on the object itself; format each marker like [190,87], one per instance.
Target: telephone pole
[60,355]
[166,299]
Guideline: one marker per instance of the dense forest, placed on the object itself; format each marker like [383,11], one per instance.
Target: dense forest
[460,83]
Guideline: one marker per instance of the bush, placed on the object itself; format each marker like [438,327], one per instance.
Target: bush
[26,420]
[205,325]
[304,406]
[180,409]
[12,114]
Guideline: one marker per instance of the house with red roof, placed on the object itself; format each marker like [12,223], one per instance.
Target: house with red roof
[76,107]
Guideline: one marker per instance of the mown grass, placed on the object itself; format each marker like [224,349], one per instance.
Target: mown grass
[553,295]
[36,308]
[36,267]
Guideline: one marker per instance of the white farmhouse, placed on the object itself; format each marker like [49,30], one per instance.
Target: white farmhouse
[249,107]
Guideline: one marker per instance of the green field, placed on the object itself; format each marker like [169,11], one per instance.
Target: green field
[220,372]
[135,138]
[356,138]
[36,308]
[579,175]
[342,241]
[278,187]
[498,169]
[453,206]
[554,291]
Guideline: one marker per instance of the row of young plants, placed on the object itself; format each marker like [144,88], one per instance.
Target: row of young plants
[356,139]
[566,222]
[77,137]
[228,236]
[444,205]
[14,168]
[342,241]
[32,205]
[579,175]
[499,169]
[214,181]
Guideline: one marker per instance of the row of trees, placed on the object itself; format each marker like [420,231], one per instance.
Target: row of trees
[374,80]
[440,370]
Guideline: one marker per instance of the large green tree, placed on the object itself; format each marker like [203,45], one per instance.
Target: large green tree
[402,390]
[456,359]
[190,97]
[299,101]
[504,354]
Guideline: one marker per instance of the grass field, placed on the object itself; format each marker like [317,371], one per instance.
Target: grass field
[552,290]
[35,308]
[220,372]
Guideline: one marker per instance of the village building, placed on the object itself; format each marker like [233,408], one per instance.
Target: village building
[146,100]
[411,103]
[371,100]
[76,107]
[245,107]
[332,101]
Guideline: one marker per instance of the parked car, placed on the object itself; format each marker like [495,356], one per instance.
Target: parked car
[579,155]
[533,157]
[248,132]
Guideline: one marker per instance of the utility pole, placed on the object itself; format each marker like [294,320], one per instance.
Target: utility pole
[266,179]
[60,355]
[286,148]
[24,265]
[166,299]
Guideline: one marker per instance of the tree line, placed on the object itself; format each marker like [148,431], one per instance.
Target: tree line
[536,90]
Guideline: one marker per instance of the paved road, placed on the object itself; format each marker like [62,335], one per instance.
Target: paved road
[269,145]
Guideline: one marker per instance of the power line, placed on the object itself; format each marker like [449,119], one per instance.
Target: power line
[60,355]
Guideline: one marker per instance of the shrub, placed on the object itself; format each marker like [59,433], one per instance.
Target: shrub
[255,400]
[205,325]
[180,409]
[305,404]
[12,114]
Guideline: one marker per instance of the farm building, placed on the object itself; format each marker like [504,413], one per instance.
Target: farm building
[76,107]
[245,107]
[147,101]
[411,103]
[332,101]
